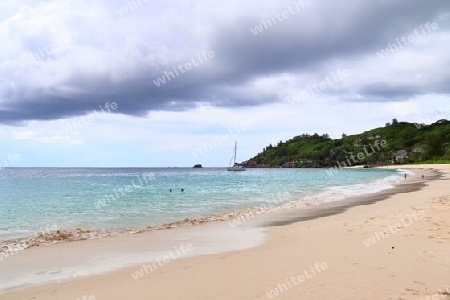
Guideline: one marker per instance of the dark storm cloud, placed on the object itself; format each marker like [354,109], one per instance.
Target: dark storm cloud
[297,43]
[328,30]
[383,92]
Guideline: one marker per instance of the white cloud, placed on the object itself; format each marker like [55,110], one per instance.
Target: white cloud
[29,135]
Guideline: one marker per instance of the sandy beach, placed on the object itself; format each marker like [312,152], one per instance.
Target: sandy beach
[398,248]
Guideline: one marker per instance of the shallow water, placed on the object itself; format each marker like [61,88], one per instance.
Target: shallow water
[35,202]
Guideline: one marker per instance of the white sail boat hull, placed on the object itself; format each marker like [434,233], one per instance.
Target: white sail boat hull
[236,169]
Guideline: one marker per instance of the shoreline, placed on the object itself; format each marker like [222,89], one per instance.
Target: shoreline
[49,238]
[276,226]
[294,214]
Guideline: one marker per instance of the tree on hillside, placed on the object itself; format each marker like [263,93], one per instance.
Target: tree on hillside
[435,144]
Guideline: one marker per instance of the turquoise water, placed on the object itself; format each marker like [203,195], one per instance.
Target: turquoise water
[41,199]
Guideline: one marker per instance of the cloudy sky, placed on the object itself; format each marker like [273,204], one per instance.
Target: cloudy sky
[77,77]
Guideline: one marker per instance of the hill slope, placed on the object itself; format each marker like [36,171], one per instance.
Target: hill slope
[399,142]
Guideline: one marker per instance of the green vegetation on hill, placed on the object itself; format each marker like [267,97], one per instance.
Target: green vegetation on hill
[397,142]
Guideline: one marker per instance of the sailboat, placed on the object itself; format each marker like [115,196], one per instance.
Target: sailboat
[235,167]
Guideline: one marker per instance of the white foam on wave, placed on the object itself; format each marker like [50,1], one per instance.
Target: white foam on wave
[404,171]
[338,193]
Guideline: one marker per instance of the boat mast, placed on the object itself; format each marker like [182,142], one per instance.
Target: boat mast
[235,146]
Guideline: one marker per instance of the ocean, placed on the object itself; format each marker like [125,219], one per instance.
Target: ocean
[102,201]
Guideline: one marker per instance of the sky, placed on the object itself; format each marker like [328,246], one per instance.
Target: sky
[115,83]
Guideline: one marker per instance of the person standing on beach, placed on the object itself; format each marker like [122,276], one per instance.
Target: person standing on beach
[405,176]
